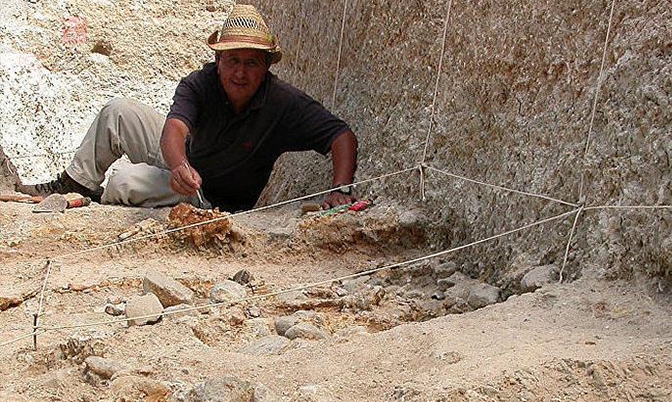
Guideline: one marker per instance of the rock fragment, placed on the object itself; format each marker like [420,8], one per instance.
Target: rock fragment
[9,300]
[282,324]
[229,389]
[538,277]
[103,368]
[269,345]
[115,309]
[169,291]
[227,291]
[147,306]
[243,277]
[483,294]
[306,331]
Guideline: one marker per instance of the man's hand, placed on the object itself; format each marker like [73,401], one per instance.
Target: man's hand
[336,198]
[185,179]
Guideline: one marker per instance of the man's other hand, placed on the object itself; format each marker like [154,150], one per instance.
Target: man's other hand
[185,180]
[336,198]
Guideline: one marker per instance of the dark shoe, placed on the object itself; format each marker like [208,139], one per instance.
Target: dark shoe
[62,185]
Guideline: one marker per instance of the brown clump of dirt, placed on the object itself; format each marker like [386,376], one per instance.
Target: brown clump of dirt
[218,231]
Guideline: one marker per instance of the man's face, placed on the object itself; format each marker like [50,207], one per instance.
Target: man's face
[241,72]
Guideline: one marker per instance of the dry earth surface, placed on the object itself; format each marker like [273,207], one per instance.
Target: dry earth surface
[382,337]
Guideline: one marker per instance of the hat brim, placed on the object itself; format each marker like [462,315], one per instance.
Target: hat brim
[244,42]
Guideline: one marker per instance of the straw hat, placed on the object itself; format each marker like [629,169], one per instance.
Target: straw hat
[246,29]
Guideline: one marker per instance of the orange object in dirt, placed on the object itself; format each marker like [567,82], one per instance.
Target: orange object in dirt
[359,205]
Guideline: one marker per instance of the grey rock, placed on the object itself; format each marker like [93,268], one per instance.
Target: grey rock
[258,327]
[282,324]
[445,269]
[141,306]
[169,291]
[225,389]
[414,294]
[243,277]
[306,331]
[340,292]
[412,219]
[457,277]
[538,277]
[483,294]
[269,345]
[178,311]
[103,368]
[227,291]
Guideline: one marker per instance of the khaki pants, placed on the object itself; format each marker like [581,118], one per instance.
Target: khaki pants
[127,127]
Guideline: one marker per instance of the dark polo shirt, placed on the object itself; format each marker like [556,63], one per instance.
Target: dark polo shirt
[234,154]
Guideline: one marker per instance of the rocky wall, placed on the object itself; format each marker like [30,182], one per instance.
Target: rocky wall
[513,108]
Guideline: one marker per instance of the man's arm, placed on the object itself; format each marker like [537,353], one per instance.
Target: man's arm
[184,179]
[344,158]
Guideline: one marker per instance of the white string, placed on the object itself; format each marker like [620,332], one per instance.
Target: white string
[503,188]
[436,87]
[597,91]
[197,224]
[338,60]
[314,284]
[37,315]
[569,242]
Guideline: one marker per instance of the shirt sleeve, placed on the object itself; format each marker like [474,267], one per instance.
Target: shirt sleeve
[185,102]
[312,126]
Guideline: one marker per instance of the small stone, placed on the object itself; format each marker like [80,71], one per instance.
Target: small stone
[258,327]
[538,277]
[136,388]
[141,306]
[482,295]
[243,277]
[305,330]
[103,368]
[102,47]
[268,345]
[9,300]
[227,291]
[178,311]
[445,269]
[229,389]
[115,309]
[438,295]
[282,324]
[414,294]
[310,207]
[340,292]
[169,291]
[211,8]
[254,311]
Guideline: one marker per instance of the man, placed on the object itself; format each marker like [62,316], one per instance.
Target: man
[228,124]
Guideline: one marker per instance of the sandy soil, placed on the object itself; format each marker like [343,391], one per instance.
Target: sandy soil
[590,340]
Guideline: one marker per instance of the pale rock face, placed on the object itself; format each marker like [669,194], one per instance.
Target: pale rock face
[169,291]
[147,306]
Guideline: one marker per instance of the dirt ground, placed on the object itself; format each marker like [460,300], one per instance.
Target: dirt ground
[590,340]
